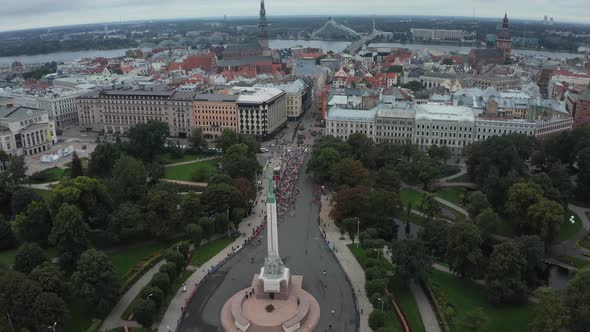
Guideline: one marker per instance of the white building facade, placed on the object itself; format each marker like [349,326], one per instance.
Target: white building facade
[452,126]
[261,111]
[26,131]
[342,123]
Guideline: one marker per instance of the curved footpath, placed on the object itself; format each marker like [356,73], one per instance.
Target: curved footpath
[349,264]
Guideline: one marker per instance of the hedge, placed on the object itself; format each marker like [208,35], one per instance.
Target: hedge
[138,270]
[439,307]
[96,323]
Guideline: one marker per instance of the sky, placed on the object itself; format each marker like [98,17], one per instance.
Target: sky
[25,14]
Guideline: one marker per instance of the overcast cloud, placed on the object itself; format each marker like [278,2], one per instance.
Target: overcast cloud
[23,14]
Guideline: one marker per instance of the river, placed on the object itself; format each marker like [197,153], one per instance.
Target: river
[61,56]
[334,46]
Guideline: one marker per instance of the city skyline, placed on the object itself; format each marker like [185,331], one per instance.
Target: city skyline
[48,13]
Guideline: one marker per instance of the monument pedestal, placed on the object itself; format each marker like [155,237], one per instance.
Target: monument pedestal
[253,310]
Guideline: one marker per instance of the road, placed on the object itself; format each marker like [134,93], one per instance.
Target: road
[303,251]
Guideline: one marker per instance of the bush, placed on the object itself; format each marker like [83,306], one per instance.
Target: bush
[376,319]
[375,286]
[144,312]
[161,281]
[374,272]
[372,262]
[152,293]
[170,269]
[194,233]
[176,258]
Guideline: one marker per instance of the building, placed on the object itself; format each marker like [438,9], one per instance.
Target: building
[25,131]
[115,111]
[261,111]
[434,34]
[263,26]
[499,82]
[214,113]
[452,126]
[504,40]
[342,122]
[321,103]
[582,109]
[487,127]
[479,57]
[294,94]
[395,123]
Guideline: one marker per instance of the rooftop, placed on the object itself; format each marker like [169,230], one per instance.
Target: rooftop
[434,112]
[397,110]
[337,113]
[19,113]
[216,97]
[255,95]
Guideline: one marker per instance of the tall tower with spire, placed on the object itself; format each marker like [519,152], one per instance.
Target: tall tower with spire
[263,26]
[504,40]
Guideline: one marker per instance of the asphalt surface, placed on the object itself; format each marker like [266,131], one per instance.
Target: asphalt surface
[303,251]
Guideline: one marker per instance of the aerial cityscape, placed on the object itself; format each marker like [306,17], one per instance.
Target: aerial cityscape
[266,166]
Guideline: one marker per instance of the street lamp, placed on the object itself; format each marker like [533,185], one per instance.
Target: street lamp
[358,227]
[378,253]
[149,295]
[382,303]
[52,327]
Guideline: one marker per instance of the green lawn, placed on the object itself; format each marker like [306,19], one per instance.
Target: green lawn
[462,178]
[49,175]
[80,317]
[568,229]
[202,254]
[125,258]
[7,256]
[577,262]
[403,295]
[448,170]
[208,168]
[410,196]
[167,158]
[585,243]
[451,194]
[464,296]
[45,194]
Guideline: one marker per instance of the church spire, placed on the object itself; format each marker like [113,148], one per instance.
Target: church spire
[263,25]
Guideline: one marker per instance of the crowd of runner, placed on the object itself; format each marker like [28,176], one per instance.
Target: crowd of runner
[286,189]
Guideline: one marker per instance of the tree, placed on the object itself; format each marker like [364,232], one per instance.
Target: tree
[505,274]
[220,197]
[388,179]
[434,235]
[577,300]
[95,281]
[413,85]
[70,235]
[154,171]
[350,202]
[551,314]
[350,173]
[153,293]
[90,195]
[208,227]
[487,222]
[376,319]
[433,152]
[247,192]
[144,312]
[17,296]
[363,149]
[146,140]
[22,198]
[7,238]
[411,259]
[477,202]
[583,185]
[162,214]
[444,153]
[427,170]
[544,218]
[50,278]
[227,138]
[129,182]
[176,257]
[76,169]
[447,62]
[350,225]
[197,141]
[473,321]
[17,170]
[429,206]
[195,233]
[48,309]
[464,249]
[170,269]
[521,196]
[127,221]
[29,256]
[34,225]
[533,251]
[102,160]
[239,162]
[191,207]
